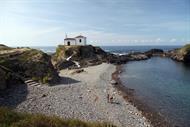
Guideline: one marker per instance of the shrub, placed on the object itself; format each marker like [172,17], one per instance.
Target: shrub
[185,49]
[10,118]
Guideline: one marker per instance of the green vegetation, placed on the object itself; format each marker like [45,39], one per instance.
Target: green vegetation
[10,118]
[185,49]
[66,51]
[30,54]
[4,47]
[30,63]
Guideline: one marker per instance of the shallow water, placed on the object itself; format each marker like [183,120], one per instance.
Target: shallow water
[163,85]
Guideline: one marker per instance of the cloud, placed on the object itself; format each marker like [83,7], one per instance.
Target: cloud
[107,22]
[173,40]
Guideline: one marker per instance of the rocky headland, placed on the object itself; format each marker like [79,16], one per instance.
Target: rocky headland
[182,54]
[90,55]
[79,89]
[86,56]
[20,64]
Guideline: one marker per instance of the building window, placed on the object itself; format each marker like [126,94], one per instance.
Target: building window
[80,40]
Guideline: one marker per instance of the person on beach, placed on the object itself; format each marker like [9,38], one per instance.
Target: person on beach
[110,95]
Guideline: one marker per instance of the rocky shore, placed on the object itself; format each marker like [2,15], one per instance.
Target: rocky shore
[90,55]
[80,78]
[18,65]
[80,95]
[181,55]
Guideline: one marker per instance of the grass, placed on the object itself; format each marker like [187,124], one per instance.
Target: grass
[185,49]
[10,118]
[30,62]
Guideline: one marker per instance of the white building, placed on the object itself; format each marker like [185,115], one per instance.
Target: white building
[79,40]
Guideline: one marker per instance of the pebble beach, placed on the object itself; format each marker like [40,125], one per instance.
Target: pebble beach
[82,96]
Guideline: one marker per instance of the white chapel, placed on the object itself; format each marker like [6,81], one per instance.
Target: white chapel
[78,40]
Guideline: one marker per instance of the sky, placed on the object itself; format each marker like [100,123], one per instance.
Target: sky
[103,22]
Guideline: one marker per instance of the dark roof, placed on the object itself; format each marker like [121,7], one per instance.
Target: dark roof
[80,36]
[69,39]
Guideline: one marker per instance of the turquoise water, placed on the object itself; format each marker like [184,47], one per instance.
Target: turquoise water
[163,85]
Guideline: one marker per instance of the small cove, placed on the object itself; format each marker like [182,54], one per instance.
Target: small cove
[163,85]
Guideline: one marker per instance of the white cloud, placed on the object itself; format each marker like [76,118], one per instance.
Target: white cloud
[173,40]
[158,40]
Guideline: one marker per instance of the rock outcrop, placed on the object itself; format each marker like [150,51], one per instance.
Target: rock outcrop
[155,52]
[85,55]
[122,59]
[182,54]
[28,63]
[90,55]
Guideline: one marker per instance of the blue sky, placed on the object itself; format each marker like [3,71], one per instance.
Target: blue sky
[104,22]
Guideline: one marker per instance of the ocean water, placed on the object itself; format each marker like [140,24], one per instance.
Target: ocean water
[162,84]
[128,49]
[113,49]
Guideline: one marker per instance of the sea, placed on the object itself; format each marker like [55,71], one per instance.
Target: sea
[161,83]
[114,49]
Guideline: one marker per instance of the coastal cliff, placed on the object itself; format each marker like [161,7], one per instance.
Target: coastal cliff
[89,55]
[85,55]
[18,64]
[182,54]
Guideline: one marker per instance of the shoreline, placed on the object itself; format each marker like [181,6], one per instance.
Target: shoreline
[154,118]
[80,96]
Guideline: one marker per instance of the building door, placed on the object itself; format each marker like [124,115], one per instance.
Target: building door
[68,43]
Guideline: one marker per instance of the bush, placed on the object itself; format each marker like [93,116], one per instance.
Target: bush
[185,49]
